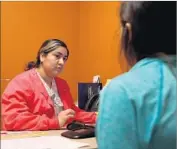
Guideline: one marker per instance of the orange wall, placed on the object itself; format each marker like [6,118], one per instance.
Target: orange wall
[99,50]
[25,25]
[90,29]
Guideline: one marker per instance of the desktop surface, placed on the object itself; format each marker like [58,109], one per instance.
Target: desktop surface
[27,134]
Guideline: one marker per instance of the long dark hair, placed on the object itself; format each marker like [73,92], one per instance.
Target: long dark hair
[47,47]
[153,29]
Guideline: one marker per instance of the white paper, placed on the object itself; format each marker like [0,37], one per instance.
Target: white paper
[43,142]
[16,132]
[96,79]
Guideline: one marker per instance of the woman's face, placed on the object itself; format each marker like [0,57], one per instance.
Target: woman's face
[54,61]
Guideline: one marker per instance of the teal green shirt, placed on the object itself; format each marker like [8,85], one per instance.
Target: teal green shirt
[138,109]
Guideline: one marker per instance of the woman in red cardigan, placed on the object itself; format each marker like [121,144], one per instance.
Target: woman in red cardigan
[37,99]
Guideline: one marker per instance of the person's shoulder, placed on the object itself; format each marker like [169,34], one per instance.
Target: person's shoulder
[26,75]
[143,75]
[144,70]
[115,85]
[22,81]
[60,80]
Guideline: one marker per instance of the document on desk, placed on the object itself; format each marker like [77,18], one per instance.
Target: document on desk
[43,142]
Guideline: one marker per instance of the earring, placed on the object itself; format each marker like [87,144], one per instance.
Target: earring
[129,27]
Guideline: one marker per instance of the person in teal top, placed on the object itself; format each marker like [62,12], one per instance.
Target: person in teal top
[138,108]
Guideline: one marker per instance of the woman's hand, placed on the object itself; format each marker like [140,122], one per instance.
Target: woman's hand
[63,116]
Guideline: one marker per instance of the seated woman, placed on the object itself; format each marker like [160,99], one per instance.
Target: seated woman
[39,100]
[138,109]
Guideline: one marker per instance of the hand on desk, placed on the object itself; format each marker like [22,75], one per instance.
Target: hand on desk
[65,115]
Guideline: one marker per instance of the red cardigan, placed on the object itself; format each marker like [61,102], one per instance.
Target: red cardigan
[26,104]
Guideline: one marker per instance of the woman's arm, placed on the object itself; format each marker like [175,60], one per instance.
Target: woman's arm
[16,114]
[86,117]
[116,126]
[81,115]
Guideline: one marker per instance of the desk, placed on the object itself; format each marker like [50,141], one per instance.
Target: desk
[90,141]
